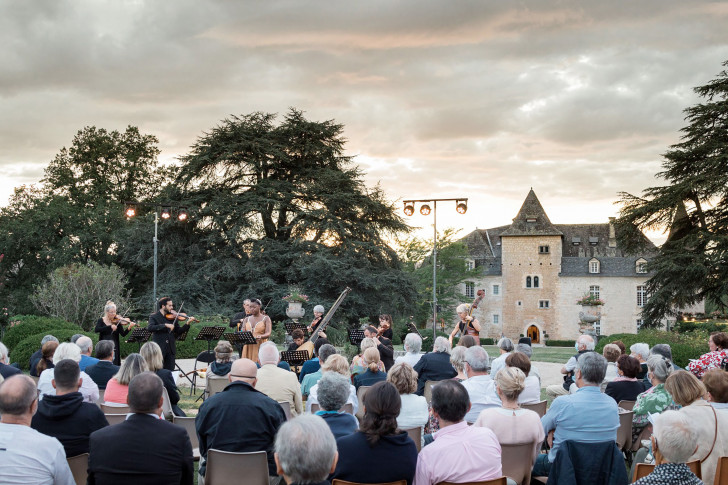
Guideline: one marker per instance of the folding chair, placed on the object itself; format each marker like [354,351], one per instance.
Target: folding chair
[539,407]
[189,425]
[347,408]
[101,396]
[286,406]
[427,392]
[416,435]
[226,467]
[517,461]
[644,469]
[721,471]
[626,405]
[360,396]
[207,356]
[113,408]
[115,418]
[215,385]
[624,432]
[167,412]
[79,467]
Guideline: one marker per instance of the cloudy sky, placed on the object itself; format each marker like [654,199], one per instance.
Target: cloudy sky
[477,99]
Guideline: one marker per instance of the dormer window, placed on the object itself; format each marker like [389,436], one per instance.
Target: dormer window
[575,240]
[641,266]
[593,241]
[469,265]
[594,266]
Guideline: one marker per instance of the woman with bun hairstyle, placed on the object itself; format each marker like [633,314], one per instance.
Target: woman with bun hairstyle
[373,374]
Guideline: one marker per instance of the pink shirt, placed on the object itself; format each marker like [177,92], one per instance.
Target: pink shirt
[115,392]
[460,453]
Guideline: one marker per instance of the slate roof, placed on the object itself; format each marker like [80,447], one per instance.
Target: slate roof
[531,220]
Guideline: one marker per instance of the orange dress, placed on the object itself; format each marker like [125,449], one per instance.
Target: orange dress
[250,351]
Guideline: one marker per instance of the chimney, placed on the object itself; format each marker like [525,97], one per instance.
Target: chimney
[612,235]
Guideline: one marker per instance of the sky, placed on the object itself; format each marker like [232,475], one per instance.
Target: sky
[440,99]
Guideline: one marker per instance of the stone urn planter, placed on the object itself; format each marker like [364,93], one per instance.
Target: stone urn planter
[295,310]
[588,316]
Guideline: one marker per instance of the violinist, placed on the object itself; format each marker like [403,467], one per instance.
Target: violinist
[468,325]
[165,328]
[110,326]
[318,316]
[385,326]
[261,327]
[239,318]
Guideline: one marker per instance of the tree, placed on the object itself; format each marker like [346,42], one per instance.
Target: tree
[692,265]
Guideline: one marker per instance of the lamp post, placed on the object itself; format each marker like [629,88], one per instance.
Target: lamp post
[461,206]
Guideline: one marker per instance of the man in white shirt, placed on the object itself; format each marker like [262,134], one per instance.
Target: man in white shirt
[276,383]
[478,382]
[413,346]
[27,456]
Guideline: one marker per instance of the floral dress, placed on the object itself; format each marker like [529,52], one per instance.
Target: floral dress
[653,401]
[706,362]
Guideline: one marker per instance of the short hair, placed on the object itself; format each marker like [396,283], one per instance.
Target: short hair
[413,343]
[467,341]
[48,338]
[511,381]
[663,350]
[268,353]
[75,337]
[17,394]
[676,438]
[223,352]
[162,302]
[85,343]
[716,382]
[403,377]
[441,345]
[145,391]
[66,374]
[109,305]
[477,358]
[336,363]
[593,367]
[152,354]
[621,346]
[333,391]
[457,357]
[611,352]
[525,349]
[318,309]
[520,361]
[297,333]
[660,367]
[104,349]
[371,358]
[133,365]
[325,351]
[684,387]
[382,405]
[586,340]
[67,350]
[3,352]
[641,349]
[306,449]
[450,400]
[462,308]
[371,329]
[318,344]
[720,339]
[629,366]
[506,344]
[366,343]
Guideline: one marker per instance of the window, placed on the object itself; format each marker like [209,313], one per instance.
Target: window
[641,266]
[544,304]
[496,289]
[598,327]
[469,265]
[470,290]
[639,324]
[594,266]
[594,291]
[535,282]
[528,281]
[519,303]
[641,295]
[496,319]
[543,250]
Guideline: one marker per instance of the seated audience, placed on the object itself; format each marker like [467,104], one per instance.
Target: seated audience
[610,352]
[716,382]
[240,418]
[67,350]
[655,399]
[586,416]
[467,341]
[505,345]
[305,451]
[152,354]
[298,337]
[510,423]
[335,363]
[118,386]
[626,386]
[332,392]
[46,361]
[687,391]
[28,457]
[378,441]
[224,357]
[38,355]
[460,453]
[457,360]
[372,374]
[414,412]
[435,365]
[86,345]
[479,383]
[665,351]
[313,364]
[718,344]
[584,344]
[673,442]
[357,363]
[5,369]
[413,346]
[276,383]
[622,347]
[524,347]
[104,370]
[311,379]
[531,394]
[66,416]
[640,351]
[143,450]
[384,346]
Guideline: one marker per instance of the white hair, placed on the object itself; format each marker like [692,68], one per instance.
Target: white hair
[660,367]
[3,353]
[477,358]
[67,350]
[587,341]
[85,344]
[306,448]
[462,308]
[524,349]
[506,344]
[268,353]
[413,343]
[593,367]
[109,305]
[676,438]
[318,309]
[441,345]
[641,349]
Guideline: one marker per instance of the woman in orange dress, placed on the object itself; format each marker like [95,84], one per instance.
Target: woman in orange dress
[260,325]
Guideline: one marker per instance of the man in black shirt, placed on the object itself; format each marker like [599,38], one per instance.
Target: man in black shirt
[237,320]
[165,331]
[384,345]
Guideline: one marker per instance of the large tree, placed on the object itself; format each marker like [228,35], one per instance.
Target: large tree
[692,265]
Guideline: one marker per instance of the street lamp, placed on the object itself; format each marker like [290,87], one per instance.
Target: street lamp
[461,206]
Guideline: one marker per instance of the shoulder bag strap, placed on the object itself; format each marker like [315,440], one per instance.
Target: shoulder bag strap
[715,437]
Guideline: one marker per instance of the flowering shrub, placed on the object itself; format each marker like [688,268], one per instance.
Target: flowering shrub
[589,300]
[296,297]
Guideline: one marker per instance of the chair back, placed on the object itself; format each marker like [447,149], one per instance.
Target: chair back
[427,392]
[360,397]
[624,432]
[517,461]
[721,472]
[416,435]
[189,425]
[206,356]
[115,418]
[226,467]
[495,481]
[644,434]
[642,470]
[337,481]
[627,405]
[215,385]
[286,406]
[113,408]
[167,412]
[79,467]
[539,407]
[347,408]
[101,396]
[695,468]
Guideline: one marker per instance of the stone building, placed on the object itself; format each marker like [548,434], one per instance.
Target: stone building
[533,272]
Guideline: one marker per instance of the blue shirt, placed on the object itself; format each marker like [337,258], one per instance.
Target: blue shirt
[587,416]
[309,367]
[87,361]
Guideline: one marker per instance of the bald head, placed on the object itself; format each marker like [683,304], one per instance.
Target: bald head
[243,370]
[17,397]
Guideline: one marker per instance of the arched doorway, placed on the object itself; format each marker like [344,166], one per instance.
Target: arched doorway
[534,334]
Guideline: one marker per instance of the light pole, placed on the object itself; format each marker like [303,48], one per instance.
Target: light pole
[461,206]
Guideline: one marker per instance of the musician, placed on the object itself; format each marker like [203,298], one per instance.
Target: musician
[109,327]
[165,331]
[260,325]
[384,345]
[468,325]
[385,326]
[318,315]
[298,337]
[239,317]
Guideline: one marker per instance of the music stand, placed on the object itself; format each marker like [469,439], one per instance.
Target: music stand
[139,336]
[239,339]
[356,336]
[210,334]
[291,326]
[295,358]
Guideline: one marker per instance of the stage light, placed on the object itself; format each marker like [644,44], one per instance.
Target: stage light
[182,215]
[409,209]
[425,210]
[462,207]
[130,210]
[166,212]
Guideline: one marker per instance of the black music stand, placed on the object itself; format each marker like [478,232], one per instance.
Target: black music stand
[295,358]
[291,326]
[239,339]
[210,334]
[356,336]
[139,336]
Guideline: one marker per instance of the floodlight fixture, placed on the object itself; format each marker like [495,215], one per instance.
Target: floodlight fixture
[182,214]
[130,210]
[425,210]
[166,212]
[462,206]
[409,208]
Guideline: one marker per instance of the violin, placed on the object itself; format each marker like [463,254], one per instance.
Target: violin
[383,327]
[180,317]
[121,320]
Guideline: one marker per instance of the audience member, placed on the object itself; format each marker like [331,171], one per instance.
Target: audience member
[610,352]
[531,394]
[716,383]
[240,418]
[384,346]
[311,379]
[584,344]
[332,392]
[478,383]
[38,355]
[718,343]
[460,453]
[655,399]
[665,351]
[75,337]
[414,412]
[372,374]
[378,441]
[152,354]
[298,336]
[67,350]
[626,386]
[144,449]
[104,370]
[117,388]
[524,347]
[5,369]
[457,360]
[467,341]
[673,442]
[510,423]
[66,416]
[338,364]
[586,416]
[357,363]
[413,346]
[86,345]
[305,451]
[622,347]
[224,358]
[276,383]
[641,352]
[28,457]
[313,364]
[46,361]
[435,365]
[505,345]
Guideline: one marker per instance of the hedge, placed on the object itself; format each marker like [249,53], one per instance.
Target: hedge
[31,325]
[22,351]
[685,346]
[560,343]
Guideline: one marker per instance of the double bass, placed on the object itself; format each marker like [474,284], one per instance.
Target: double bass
[468,328]
[309,344]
